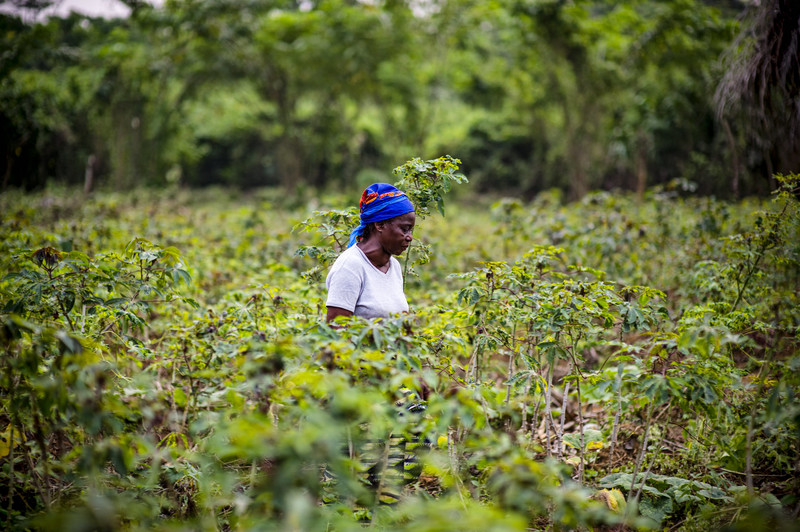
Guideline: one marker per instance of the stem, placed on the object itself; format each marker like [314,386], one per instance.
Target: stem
[191,402]
[580,426]
[535,419]
[548,415]
[564,399]
[451,452]
[510,369]
[746,281]
[471,362]
[525,405]
[640,458]
[534,375]
[644,479]
[511,361]
[578,376]
[617,414]
[65,314]
[406,262]
[255,299]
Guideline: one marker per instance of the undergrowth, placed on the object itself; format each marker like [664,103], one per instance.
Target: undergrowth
[606,364]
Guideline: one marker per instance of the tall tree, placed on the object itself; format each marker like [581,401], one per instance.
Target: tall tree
[761,89]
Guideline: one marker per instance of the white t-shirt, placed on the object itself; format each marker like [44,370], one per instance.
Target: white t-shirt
[355,284]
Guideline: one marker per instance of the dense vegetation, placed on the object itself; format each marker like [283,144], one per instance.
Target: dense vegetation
[575,358]
[611,362]
[531,94]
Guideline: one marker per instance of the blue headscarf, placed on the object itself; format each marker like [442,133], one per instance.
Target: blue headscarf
[379,202]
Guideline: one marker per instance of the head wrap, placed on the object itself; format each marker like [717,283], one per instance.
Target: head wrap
[379,202]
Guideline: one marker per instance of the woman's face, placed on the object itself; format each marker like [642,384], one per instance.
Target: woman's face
[396,234]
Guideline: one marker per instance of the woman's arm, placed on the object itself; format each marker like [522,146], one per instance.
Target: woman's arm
[335,312]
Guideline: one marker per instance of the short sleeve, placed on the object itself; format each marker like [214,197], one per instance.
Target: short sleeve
[344,288]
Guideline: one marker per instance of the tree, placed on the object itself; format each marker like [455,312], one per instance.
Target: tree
[584,94]
[761,88]
[40,100]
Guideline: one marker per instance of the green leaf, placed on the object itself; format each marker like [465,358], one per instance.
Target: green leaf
[69,301]
[180,397]
[656,509]
[715,494]
[70,343]
[181,275]
[470,295]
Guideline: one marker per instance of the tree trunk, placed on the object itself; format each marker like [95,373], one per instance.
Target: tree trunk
[88,181]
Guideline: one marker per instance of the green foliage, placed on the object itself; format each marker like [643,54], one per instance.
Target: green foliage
[426,182]
[533,95]
[166,364]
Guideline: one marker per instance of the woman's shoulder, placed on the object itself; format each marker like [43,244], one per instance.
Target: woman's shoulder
[351,253]
[351,257]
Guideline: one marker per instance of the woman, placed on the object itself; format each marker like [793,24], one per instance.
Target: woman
[366,280]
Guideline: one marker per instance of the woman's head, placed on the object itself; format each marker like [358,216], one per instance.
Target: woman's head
[394,234]
[380,202]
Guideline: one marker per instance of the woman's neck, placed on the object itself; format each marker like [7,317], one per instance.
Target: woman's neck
[376,254]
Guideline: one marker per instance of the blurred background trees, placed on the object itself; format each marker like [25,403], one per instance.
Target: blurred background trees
[530,94]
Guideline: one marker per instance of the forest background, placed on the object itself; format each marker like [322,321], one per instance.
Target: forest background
[530,95]
[604,328]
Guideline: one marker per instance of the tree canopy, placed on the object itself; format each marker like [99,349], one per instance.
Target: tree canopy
[530,94]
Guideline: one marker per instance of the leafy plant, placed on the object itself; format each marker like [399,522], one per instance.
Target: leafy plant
[535,392]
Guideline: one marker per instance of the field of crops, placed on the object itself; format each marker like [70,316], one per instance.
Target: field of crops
[613,363]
